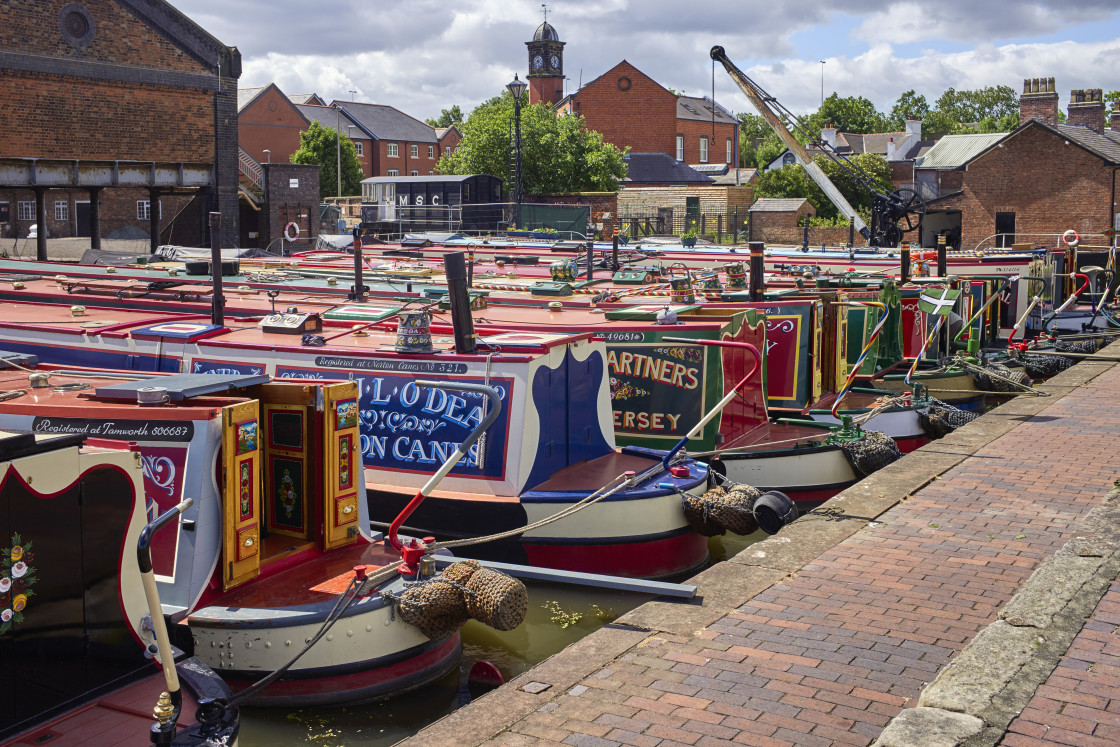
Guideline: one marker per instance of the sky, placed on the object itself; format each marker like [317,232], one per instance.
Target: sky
[422,56]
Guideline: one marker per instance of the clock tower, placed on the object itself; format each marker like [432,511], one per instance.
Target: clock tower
[546,65]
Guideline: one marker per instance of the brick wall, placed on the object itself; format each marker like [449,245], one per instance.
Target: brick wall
[139,82]
[714,200]
[1049,185]
[285,204]
[118,37]
[629,109]
[271,122]
[717,146]
[404,161]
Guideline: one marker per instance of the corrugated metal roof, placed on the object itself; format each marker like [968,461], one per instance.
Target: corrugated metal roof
[953,151]
[416,179]
[778,204]
[709,168]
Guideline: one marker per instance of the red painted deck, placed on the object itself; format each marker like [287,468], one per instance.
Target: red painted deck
[121,717]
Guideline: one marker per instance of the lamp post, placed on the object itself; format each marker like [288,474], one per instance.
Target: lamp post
[338,147]
[268,155]
[517,89]
[822,82]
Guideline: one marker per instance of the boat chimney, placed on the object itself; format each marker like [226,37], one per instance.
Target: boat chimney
[757,278]
[217,302]
[358,290]
[455,270]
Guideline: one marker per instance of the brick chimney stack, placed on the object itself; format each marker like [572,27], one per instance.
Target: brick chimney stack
[1039,101]
[1086,108]
[1114,117]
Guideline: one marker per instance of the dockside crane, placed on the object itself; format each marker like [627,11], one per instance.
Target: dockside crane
[893,214]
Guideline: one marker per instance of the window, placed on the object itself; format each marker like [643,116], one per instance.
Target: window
[703,150]
[680,147]
[728,161]
[144,210]
[61,210]
[359,147]
[26,210]
[391,151]
[414,150]
[431,172]
[431,151]
[393,172]
[416,172]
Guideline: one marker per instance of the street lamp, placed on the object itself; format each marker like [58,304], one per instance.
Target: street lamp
[517,89]
[338,147]
[268,155]
[822,82]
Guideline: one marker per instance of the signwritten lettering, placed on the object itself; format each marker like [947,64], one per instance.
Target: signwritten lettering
[657,391]
[411,428]
[122,430]
[370,364]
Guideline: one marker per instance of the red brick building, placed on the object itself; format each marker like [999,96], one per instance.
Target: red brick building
[630,109]
[1042,179]
[268,123]
[125,97]
[546,65]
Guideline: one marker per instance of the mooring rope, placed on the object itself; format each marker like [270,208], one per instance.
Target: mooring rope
[620,482]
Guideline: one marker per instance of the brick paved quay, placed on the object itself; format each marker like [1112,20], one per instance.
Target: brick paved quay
[927,605]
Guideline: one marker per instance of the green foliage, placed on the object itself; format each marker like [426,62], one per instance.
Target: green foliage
[909,104]
[969,107]
[848,114]
[754,131]
[691,233]
[794,181]
[557,153]
[318,145]
[447,117]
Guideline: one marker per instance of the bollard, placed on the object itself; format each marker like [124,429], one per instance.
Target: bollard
[904,274]
[942,259]
[805,237]
[590,258]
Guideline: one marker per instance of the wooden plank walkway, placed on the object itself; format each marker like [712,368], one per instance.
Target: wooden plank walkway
[825,633]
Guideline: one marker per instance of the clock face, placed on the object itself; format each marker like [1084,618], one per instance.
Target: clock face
[555,62]
[538,62]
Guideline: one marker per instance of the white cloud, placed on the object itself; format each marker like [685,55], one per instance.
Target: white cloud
[427,55]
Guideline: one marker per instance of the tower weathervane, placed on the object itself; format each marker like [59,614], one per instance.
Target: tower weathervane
[545,9]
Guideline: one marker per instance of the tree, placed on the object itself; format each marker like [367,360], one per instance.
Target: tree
[910,104]
[848,114]
[318,146]
[558,153]
[794,181]
[447,117]
[969,107]
[753,131]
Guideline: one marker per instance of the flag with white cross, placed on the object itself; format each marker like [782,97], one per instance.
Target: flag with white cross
[939,301]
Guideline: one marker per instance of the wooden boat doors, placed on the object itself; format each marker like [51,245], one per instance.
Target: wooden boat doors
[291,473]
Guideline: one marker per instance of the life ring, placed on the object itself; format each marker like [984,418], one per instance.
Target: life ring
[288,231]
[1070,238]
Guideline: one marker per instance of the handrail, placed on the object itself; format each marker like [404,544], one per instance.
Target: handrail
[727,397]
[250,167]
[413,553]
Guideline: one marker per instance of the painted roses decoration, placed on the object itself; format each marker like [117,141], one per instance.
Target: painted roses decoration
[16,580]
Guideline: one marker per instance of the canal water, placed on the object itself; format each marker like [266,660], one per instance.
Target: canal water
[559,615]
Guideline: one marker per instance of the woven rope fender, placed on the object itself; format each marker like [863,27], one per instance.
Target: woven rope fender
[940,419]
[1076,346]
[438,606]
[1045,366]
[719,510]
[870,453]
[499,601]
[1001,378]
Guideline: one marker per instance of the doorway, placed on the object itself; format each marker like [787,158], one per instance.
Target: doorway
[1005,230]
[83,222]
